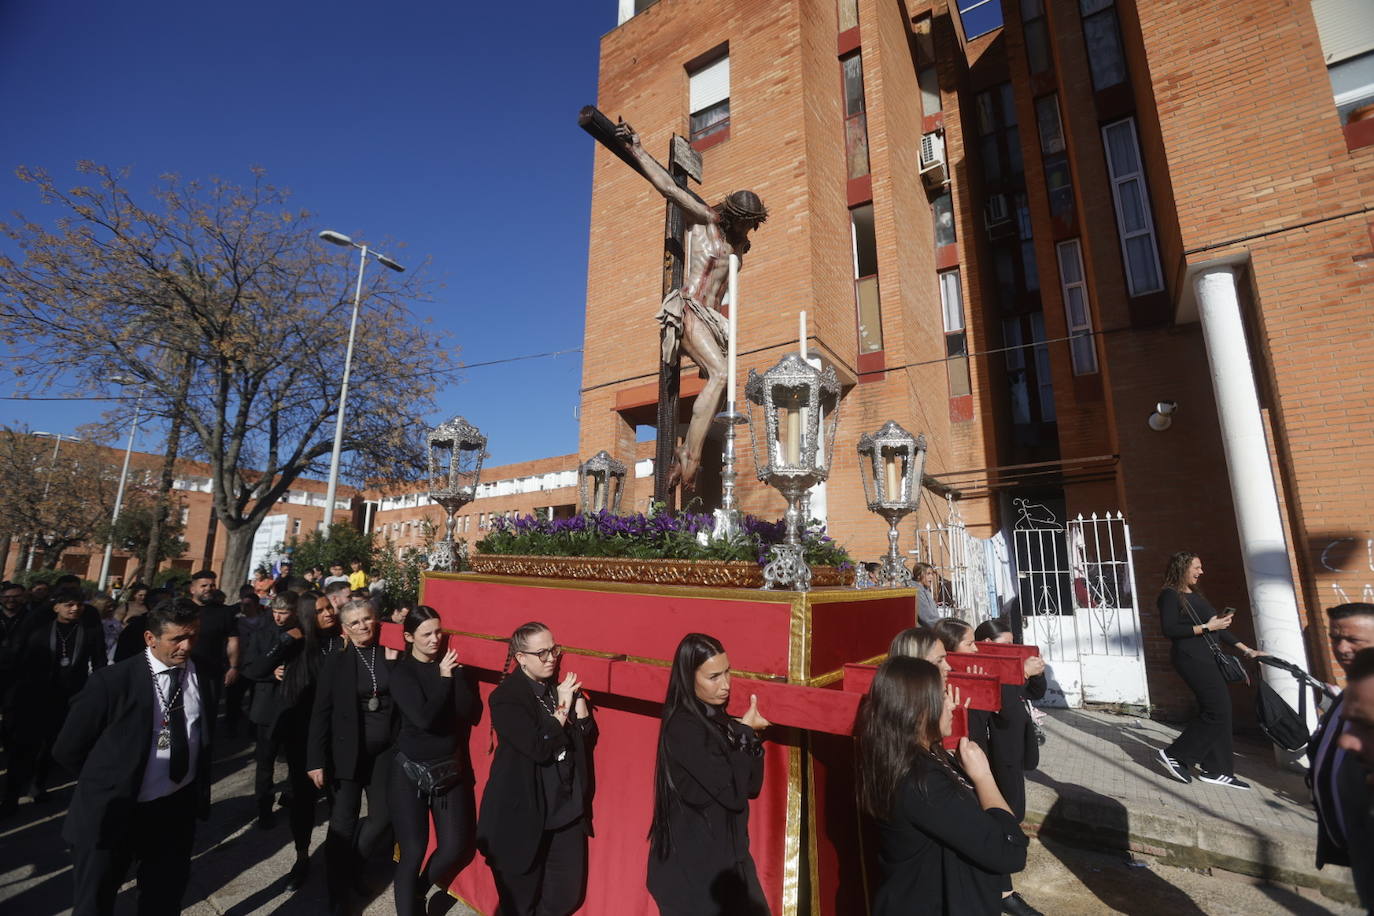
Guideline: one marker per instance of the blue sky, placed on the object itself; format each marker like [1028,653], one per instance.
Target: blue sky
[450,127]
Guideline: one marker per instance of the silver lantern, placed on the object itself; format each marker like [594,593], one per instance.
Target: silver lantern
[600,482]
[792,442]
[456,451]
[892,463]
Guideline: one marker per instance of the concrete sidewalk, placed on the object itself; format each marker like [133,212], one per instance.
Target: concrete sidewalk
[1100,786]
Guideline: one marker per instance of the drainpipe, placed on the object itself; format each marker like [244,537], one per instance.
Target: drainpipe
[1268,575]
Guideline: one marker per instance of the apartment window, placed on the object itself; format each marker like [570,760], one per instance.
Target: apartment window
[1082,350]
[1346,29]
[865,242]
[1103,37]
[1132,199]
[1036,30]
[708,99]
[927,76]
[1058,179]
[295,526]
[849,15]
[1032,391]
[999,142]
[956,337]
[979,17]
[943,211]
[1030,272]
[855,121]
[185,514]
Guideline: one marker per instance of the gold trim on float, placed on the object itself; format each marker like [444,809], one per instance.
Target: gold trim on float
[812,862]
[799,639]
[631,588]
[791,854]
[830,677]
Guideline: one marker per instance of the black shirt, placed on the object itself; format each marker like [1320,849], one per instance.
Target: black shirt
[374,680]
[437,712]
[1177,624]
[217,624]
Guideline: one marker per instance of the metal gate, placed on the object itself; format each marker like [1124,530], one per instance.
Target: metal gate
[961,562]
[1077,593]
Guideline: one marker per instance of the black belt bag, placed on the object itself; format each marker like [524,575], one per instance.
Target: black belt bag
[432,777]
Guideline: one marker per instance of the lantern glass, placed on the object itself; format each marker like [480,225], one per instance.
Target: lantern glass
[600,483]
[456,452]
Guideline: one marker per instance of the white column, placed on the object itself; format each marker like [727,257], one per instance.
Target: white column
[1273,600]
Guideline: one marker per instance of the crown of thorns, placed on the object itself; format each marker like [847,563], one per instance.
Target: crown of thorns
[743,205]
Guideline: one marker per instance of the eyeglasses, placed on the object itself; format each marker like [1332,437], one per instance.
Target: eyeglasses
[544,654]
[359,623]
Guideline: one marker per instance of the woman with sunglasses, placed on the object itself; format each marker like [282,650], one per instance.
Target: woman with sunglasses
[533,823]
[352,733]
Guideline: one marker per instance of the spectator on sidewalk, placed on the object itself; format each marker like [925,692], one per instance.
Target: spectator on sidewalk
[948,837]
[357,578]
[1186,617]
[927,610]
[1339,777]
[336,574]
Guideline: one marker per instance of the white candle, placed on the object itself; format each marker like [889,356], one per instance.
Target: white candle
[801,321]
[734,332]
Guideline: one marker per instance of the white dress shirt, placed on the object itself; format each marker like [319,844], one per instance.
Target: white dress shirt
[157,777]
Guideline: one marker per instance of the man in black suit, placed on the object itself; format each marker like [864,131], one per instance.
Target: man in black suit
[140,736]
[1339,779]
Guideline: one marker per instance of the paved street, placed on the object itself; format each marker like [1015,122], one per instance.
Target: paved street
[1095,774]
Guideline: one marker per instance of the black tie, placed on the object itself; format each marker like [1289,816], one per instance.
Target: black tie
[176,721]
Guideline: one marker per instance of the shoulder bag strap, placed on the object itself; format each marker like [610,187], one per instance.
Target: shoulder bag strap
[1206,633]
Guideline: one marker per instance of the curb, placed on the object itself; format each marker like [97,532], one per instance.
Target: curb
[1199,843]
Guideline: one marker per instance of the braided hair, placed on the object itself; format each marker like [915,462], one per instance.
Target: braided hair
[519,641]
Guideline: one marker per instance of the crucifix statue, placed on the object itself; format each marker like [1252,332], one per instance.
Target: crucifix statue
[690,314]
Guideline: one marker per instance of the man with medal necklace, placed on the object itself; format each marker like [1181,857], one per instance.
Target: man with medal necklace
[140,736]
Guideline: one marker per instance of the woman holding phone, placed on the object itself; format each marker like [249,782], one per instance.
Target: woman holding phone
[1187,617]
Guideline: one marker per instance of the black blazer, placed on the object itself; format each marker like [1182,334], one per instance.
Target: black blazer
[511,822]
[335,739]
[41,689]
[1357,850]
[942,853]
[709,829]
[268,648]
[107,737]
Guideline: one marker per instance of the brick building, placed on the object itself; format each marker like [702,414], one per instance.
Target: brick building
[1018,226]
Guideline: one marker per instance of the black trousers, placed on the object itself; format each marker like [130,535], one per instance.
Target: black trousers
[159,839]
[266,746]
[1207,739]
[349,841]
[304,795]
[28,752]
[556,884]
[454,829]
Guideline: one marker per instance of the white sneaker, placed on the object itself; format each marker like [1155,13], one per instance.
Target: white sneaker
[1221,779]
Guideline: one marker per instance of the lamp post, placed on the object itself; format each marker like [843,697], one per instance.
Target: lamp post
[456,449]
[123,478]
[892,462]
[792,445]
[338,238]
[47,483]
[600,482]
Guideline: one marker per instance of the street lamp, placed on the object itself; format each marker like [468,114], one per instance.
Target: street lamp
[338,238]
[456,451]
[47,483]
[123,477]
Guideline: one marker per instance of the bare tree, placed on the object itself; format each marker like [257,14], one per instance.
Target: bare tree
[54,498]
[230,281]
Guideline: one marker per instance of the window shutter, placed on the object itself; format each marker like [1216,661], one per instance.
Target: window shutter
[1346,27]
[709,85]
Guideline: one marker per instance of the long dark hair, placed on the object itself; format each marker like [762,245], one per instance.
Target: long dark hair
[989,630]
[302,671]
[1177,568]
[899,726]
[414,617]
[681,699]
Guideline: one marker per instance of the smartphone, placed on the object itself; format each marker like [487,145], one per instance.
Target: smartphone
[1227,611]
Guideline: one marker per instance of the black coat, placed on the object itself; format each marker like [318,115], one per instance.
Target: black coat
[709,869]
[942,853]
[335,741]
[41,688]
[1356,847]
[268,649]
[511,823]
[1008,739]
[107,738]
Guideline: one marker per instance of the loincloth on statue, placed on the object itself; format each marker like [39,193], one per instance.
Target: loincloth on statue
[672,316]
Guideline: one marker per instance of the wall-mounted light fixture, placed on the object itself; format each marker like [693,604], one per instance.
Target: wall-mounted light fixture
[1163,417]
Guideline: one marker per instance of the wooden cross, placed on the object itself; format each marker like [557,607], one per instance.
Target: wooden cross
[683,163]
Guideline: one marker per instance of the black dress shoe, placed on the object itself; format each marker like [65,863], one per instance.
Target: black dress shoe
[1012,903]
[295,880]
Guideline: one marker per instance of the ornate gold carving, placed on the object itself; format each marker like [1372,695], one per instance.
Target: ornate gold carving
[710,573]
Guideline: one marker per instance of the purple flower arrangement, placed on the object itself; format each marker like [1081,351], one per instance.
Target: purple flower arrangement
[661,535]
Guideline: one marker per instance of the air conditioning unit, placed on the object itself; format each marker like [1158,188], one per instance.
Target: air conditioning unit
[933,159]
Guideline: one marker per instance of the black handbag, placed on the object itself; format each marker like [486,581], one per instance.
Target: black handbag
[1232,671]
[431,777]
